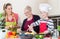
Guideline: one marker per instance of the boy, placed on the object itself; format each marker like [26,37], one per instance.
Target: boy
[45,24]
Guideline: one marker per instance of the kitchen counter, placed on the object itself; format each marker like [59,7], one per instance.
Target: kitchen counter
[2,35]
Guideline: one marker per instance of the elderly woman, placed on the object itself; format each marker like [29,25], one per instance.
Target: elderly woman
[30,19]
[11,18]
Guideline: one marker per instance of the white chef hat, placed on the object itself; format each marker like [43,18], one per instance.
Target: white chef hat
[45,7]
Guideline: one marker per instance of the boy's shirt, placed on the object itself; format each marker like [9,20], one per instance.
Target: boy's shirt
[49,26]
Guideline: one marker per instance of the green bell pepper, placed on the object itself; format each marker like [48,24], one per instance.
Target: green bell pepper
[58,28]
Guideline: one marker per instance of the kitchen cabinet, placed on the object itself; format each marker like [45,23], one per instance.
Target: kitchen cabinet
[56,21]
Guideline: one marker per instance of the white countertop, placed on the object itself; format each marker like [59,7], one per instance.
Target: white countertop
[2,35]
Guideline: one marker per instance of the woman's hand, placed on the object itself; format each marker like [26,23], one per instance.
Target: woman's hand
[16,27]
[7,27]
[10,26]
[18,30]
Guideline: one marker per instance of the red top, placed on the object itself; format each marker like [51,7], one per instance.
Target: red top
[28,23]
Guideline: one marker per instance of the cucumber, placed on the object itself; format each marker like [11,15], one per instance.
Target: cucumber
[0,15]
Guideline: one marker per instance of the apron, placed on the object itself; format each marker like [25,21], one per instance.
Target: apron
[42,27]
[11,23]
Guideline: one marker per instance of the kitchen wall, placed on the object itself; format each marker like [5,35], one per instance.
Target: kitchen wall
[19,5]
[55,7]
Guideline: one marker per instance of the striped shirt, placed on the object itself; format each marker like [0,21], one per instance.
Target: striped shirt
[49,22]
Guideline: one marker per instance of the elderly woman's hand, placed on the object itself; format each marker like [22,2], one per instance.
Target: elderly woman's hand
[30,28]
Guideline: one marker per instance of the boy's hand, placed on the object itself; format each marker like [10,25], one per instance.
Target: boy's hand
[46,32]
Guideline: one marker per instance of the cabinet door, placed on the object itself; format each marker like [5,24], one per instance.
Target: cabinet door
[59,22]
[55,23]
